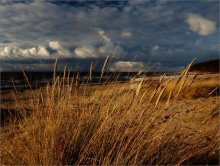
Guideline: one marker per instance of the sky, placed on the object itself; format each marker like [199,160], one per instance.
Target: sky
[149,35]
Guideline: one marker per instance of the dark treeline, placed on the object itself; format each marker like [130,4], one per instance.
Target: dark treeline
[211,66]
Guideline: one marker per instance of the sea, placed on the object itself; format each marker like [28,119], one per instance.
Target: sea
[9,80]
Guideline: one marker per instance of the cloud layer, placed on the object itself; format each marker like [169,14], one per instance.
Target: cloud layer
[54,49]
[165,31]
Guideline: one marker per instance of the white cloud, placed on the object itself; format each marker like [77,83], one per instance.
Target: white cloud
[16,53]
[103,35]
[55,45]
[201,25]
[89,51]
[109,46]
[86,52]
[126,34]
[5,52]
[127,66]
[42,51]
[155,48]
[34,52]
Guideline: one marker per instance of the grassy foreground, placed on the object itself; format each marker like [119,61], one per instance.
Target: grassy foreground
[171,121]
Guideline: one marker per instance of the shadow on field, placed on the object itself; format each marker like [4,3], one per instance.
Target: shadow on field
[8,115]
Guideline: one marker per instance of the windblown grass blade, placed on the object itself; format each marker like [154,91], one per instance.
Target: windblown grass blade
[90,71]
[104,67]
[55,70]
[139,87]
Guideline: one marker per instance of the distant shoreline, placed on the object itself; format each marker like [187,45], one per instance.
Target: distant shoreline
[40,82]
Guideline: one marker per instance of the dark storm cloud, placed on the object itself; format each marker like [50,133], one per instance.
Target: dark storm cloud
[170,33]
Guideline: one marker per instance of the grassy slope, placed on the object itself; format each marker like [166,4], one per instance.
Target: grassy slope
[126,124]
[211,66]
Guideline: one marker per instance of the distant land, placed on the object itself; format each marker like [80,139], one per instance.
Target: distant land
[211,66]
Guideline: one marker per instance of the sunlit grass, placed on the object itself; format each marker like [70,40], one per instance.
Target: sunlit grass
[115,124]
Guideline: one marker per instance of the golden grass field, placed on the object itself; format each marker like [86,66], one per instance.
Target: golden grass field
[154,122]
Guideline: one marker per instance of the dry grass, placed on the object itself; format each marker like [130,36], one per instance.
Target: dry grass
[112,124]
